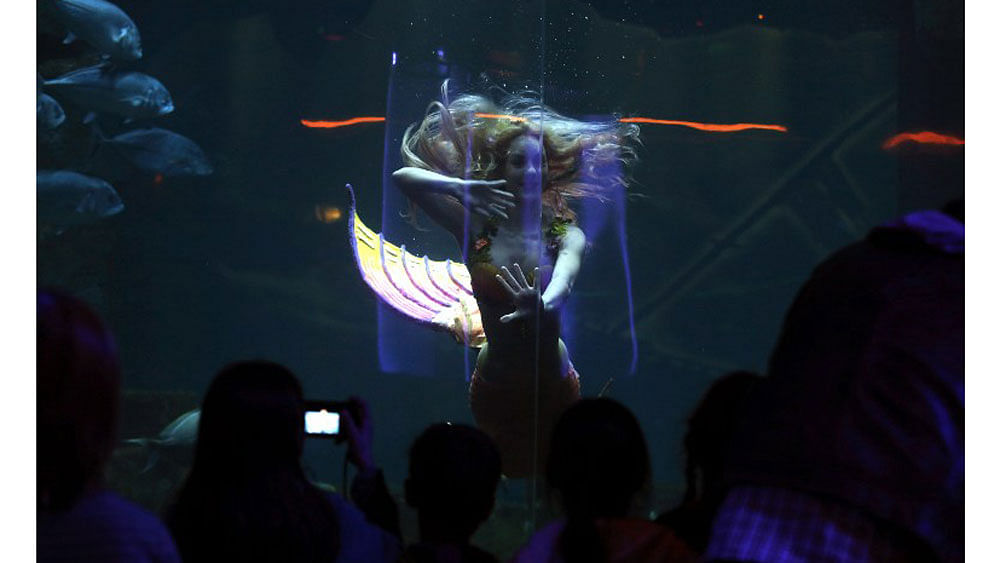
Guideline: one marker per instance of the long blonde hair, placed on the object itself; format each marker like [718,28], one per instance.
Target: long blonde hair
[470,136]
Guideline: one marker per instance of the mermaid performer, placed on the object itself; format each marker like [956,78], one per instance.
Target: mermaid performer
[499,180]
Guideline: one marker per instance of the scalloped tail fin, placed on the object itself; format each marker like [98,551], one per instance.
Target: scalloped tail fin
[432,292]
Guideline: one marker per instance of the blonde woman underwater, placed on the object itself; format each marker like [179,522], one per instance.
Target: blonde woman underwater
[499,178]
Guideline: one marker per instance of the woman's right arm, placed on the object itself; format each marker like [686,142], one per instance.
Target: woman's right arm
[445,198]
[414,181]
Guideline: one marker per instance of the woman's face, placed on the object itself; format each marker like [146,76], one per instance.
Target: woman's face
[525,168]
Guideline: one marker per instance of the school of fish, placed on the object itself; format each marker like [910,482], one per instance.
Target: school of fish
[105,90]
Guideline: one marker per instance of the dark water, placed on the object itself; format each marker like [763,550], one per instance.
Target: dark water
[721,228]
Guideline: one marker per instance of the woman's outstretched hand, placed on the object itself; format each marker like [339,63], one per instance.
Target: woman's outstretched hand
[527,299]
[485,198]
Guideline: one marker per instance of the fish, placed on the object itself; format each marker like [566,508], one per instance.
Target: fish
[48,112]
[178,438]
[157,150]
[67,198]
[101,88]
[101,24]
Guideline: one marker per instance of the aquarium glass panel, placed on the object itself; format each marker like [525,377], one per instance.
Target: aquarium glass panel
[241,191]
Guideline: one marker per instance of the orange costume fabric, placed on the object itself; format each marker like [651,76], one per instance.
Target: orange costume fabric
[504,408]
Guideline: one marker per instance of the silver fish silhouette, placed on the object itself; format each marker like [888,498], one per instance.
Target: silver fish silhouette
[132,95]
[101,24]
[49,114]
[68,198]
[177,437]
[159,151]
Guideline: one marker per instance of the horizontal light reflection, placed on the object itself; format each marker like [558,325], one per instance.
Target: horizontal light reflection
[923,137]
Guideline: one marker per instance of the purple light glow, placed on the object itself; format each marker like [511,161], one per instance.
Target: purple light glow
[594,220]
[392,329]
[619,198]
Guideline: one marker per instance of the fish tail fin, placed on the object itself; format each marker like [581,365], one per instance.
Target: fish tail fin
[48,232]
[91,119]
[154,456]
[99,138]
[148,445]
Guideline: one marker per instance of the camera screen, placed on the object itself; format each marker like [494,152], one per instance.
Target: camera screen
[322,422]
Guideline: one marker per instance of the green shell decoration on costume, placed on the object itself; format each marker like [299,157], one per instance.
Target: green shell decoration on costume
[556,231]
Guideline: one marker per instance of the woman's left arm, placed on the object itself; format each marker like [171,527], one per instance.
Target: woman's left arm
[567,266]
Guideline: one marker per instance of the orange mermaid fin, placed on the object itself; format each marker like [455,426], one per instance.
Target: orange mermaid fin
[433,292]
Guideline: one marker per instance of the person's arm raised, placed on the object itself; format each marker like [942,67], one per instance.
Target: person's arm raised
[482,197]
[368,490]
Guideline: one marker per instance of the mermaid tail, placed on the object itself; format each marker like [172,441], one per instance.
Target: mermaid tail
[512,408]
[431,292]
[516,412]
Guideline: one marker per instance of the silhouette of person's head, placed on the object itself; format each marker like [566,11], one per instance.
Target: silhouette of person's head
[709,435]
[78,389]
[246,496]
[454,472]
[598,460]
[251,420]
[710,430]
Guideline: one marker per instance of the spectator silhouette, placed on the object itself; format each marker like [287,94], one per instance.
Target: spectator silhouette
[78,391]
[854,449]
[247,498]
[709,433]
[598,468]
[454,472]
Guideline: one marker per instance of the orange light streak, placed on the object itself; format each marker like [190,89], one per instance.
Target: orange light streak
[716,127]
[345,123]
[500,116]
[923,137]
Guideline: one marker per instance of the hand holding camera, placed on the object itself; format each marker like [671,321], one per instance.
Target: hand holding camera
[357,429]
[342,421]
